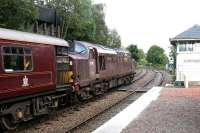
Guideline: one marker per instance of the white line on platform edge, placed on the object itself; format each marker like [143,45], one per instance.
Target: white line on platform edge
[122,119]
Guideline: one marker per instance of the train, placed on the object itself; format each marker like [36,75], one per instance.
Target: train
[39,73]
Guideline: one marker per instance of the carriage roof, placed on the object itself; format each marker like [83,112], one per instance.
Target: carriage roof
[31,37]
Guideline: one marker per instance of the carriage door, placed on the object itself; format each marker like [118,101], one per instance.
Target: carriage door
[92,64]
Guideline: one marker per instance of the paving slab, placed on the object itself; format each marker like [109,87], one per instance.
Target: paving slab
[160,110]
[122,119]
[177,110]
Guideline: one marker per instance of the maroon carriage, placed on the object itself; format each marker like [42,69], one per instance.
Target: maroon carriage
[33,75]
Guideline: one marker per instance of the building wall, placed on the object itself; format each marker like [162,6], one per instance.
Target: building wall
[188,63]
[47,23]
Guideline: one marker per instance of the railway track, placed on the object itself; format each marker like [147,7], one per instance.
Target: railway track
[69,119]
[108,114]
[138,77]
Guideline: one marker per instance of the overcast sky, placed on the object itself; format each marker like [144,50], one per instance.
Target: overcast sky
[148,22]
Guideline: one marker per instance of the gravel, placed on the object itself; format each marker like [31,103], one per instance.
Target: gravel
[102,118]
[69,118]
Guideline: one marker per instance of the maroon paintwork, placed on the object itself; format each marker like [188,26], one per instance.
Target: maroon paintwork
[41,78]
[117,65]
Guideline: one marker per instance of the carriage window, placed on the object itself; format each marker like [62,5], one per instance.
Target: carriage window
[102,62]
[17,59]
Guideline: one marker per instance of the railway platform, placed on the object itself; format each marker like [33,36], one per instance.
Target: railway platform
[160,110]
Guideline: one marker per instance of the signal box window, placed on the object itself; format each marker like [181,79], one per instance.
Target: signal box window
[17,59]
[102,62]
[185,47]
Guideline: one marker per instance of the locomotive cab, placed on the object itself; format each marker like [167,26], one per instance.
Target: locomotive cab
[84,60]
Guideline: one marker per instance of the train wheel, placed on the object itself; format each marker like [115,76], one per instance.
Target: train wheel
[73,99]
[85,95]
[63,101]
[7,123]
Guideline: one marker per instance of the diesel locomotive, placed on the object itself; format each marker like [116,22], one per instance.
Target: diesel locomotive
[39,73]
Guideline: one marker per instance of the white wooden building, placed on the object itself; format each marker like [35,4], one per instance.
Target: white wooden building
[188,56]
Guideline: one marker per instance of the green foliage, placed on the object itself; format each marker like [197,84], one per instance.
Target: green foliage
[156,56]
[82,20]
[75,16]
[100,32]
[114,39]
[137,54]
[172,56]
[142,57]
[17,14]
[134,51]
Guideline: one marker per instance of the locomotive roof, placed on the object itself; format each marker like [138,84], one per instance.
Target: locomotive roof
[30,37]
[100,49]
[122,51]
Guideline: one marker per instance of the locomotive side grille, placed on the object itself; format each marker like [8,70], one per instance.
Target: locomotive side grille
[83,69]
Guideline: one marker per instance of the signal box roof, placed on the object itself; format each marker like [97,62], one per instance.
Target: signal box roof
[191,35]
[100,49]
[30,37]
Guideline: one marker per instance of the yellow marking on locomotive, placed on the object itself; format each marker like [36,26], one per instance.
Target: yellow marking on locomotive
[68,77]
[126,60]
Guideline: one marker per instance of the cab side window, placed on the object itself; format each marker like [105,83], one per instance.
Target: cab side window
[92,54]
[17,59]
[80,49]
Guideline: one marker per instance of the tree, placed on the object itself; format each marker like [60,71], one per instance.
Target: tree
[134,51]
[137,54]
[17,14]
[142,57]
[172,56]
[156,56]
[113,39]
[81,20]
[141,54]
[75,16]
[100,31]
